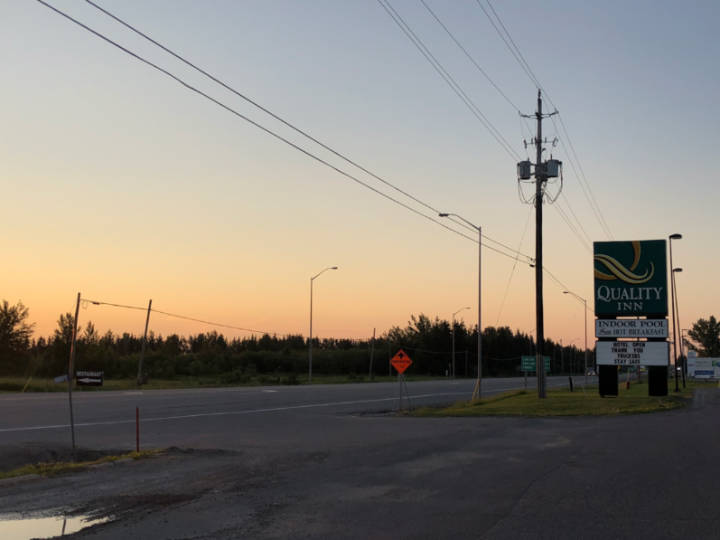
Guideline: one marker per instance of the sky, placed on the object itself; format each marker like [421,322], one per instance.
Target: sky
[119,183]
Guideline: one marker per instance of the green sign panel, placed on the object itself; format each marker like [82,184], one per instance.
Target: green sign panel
[630,278]
[529,364]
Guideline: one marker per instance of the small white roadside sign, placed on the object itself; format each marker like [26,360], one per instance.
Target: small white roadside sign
[631,328]
[633,353]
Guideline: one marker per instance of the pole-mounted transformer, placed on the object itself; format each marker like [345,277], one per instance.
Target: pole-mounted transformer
[551,168]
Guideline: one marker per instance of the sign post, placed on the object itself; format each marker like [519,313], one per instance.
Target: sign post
[401,361]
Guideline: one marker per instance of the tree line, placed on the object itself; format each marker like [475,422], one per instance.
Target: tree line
[284,358]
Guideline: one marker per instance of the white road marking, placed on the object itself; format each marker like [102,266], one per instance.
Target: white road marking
[270,391]
[224,413]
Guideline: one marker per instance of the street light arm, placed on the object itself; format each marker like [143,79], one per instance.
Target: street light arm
[445,214]
[575,295]
[459,310]
[323,271]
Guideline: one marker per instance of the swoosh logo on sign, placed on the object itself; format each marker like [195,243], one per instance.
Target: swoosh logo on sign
[619,271]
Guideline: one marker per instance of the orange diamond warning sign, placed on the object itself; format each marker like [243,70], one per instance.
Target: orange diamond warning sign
[401,361]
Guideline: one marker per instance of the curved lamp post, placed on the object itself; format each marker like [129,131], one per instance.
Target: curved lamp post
[581,299]
[478,384]
[672,237]
[311,313]
[676,317]
[453,338]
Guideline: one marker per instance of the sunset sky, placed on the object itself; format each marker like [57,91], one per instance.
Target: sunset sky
[119,183]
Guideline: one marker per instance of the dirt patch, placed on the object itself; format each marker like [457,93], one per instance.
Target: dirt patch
[14,456]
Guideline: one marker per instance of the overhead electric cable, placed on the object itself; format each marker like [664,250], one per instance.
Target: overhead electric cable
[455,87]
[262,108]
[590,196]
[282,120]
[247,119]
[99,303]
[512,271]
[572,227]
[526,69]
[140,308]
[210,322]
[263,128]
[522,58]
[567,202]
[469,56]
[517,54]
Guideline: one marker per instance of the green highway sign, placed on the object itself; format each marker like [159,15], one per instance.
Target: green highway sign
[630,278]
[529,364]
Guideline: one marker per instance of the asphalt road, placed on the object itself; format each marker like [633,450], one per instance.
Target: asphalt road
[308,464]
[214,417]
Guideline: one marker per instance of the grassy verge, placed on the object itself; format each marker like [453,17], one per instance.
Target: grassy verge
[20,384]
[562,402]
[61,467]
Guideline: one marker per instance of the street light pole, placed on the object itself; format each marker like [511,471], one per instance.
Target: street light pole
[477,392]
[453,338]
[676,317]
[672,237]
[584,301]
[311,315]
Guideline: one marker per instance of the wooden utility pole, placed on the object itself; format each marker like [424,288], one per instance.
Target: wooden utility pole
[142,348]
[71,370]
[372,354]
[540,178]
[543,171]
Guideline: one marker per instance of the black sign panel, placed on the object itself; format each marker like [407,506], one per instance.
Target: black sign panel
[89,378]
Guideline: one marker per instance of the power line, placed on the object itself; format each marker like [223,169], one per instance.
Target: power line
[567,201]
[400,22]
[469,57]
[99,303]
[512,271]
[522,58]
[517,54]
[210,322]
[264,109]
[525,68]
[591,199]
[256,124]
[572,227]
[175,315]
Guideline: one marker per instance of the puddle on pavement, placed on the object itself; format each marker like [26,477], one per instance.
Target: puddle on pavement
[45,527]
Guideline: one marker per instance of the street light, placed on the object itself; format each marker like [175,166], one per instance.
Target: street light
[453,338]
[478,384]
[676,316]
[672,237]
[311,311]
[585,310]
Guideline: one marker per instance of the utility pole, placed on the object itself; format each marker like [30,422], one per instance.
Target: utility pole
[543,171]
[71,371]
[372,354]
[142,348]
[539,316]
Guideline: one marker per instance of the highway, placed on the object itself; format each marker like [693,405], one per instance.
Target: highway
[214,417]
[319,462]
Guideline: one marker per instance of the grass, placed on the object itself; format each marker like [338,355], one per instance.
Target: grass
[562,402]
[63,467]
[21,384]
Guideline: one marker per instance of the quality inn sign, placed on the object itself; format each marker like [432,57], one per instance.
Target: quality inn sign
[630,279]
